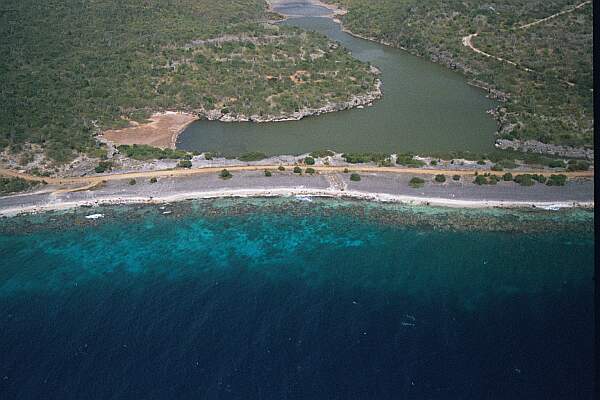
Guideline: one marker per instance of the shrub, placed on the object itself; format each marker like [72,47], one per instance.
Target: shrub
[441,178]
[433,162]
[281,168]
[208,156]
[322,154]
[153,180]
[416,182]
[524,180]
[346,170]
[268,173]
[225,174]
[408,160]
[507,177]
[297,170]
[310,170]
[132,182]
[357,158]
[497,167]
[538,178]
[580,165]
[103,166]
[508,164]
[481,162]
[252,156]
[185,164]
[556,180]
[355,177]
[493,180]
[456,177]
[557,164]
[144,152]
[480,180]
[12,185]
[309,161]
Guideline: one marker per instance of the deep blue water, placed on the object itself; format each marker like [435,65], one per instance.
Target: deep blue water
[268,299]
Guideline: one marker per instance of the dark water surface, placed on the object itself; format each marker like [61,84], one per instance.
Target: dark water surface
[425,107]
[281,299]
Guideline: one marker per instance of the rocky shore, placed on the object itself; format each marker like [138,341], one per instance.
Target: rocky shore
[535,146]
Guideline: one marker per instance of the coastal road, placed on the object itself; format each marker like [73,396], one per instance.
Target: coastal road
[90,181]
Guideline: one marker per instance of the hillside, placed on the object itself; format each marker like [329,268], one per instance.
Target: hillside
[548,92]
[72,68]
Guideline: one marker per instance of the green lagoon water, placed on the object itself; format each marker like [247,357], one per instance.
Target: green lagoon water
[425,107]
[288,299]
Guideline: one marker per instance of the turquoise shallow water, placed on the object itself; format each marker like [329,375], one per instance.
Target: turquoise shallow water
[287,299]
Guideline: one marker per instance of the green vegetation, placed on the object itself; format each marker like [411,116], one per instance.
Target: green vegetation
[441,178]
[408,160]
[144,152]
[153,180]
[416,182]
[310,170]
[480,180]
[493,179]
[297,170]
[539,178]
[524,180]
[497,167]
[185,164]
[507,177]
[456,177]
[103,166]
[541,105]
[557,164]
[359,158]
[579,165]
[346,170]
[268,173]
[225,174]
[132,182]
[13,185]
[70,68]
[355,177]
[557,180]
[322,154]
[253,156]
[281,168]
[309,161]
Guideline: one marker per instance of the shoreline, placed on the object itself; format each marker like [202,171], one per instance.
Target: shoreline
[56,204]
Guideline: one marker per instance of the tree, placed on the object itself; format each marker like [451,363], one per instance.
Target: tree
[225,174]
[297,170]
[416,182]
[355,177]
[309,161]
[185,164]
[441,178]
[268,173]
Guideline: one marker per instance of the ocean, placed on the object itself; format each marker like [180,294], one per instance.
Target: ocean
[291,299]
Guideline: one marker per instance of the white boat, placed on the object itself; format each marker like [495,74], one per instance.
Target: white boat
[94,216]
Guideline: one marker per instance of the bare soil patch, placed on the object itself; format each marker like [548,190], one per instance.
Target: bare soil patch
[161,132]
